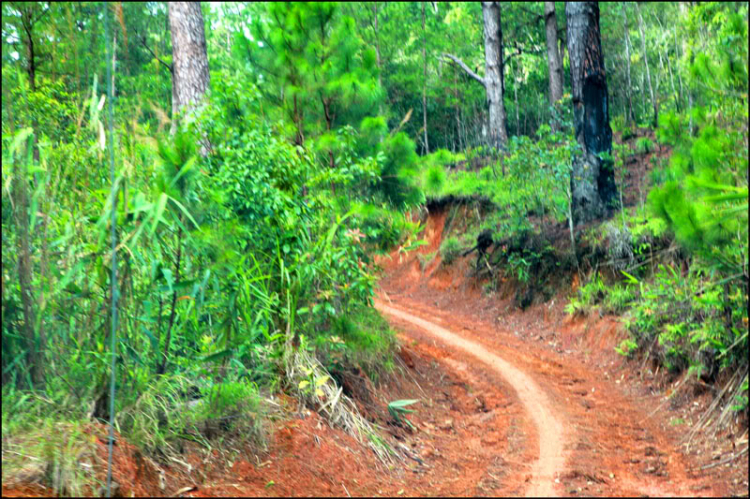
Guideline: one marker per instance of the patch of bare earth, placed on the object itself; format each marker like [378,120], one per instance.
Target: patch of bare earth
[622,431]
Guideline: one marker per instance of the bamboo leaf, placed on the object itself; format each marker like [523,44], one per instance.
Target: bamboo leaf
[184,210]
[160,205]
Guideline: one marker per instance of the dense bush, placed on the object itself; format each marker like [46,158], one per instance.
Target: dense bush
[450,249]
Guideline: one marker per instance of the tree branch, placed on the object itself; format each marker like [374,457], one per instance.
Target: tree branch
[143,42]
[520,50]
[466,68]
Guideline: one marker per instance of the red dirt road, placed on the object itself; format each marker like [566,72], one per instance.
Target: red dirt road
[584,435]
[548,427]
[581,420]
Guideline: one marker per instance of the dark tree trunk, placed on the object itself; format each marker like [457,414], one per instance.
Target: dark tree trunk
[553,55]
[493,73]
[592,179]
[190,77]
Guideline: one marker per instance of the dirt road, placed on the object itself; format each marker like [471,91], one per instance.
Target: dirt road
[585,431]
[550,434]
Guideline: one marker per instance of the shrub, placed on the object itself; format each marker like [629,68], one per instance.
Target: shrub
[644,145]
[450,249]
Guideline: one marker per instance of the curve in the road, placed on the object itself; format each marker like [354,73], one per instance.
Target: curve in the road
[534,399]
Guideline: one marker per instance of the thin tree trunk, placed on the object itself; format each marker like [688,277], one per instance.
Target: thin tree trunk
[515,99]
[457,110]
[644,104]
[34,351]
[493,79]
[654,104]
[554,61]
[677,67]
[424,82]
[629,86]
[377,53]
[161,368]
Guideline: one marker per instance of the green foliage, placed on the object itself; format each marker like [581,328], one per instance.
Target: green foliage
[627,347]
[534,183]
[644,145]
[590,294]
[312,57]
[697,322]
[221,260]
[450,249]
[255,225]
[59,454]
[362,338]
[400,170]
[398,410]
[704,196]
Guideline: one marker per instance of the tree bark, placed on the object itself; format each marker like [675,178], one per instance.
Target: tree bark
[424,82]
[629,87]
[592,179]
[493,79]
[654,104]
[493,73]
[554,62]
[190,76]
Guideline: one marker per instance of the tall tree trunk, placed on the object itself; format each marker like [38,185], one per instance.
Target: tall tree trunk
[493,73]
[629,86]
[554,62]
[515,101]
[190,77]
[457,111]
[677,102]
[654,104]
[424,82]
[592,180]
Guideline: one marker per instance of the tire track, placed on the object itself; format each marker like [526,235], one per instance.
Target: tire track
[550,430]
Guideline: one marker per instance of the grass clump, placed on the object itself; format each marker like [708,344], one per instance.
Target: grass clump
[47,444]
[314,386]
[450,250]
[162,418]
[360,338]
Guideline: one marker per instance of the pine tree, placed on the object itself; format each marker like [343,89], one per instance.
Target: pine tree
[705,198]
[311,63]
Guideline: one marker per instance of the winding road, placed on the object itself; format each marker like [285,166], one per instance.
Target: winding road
[587,430]
[535,401]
